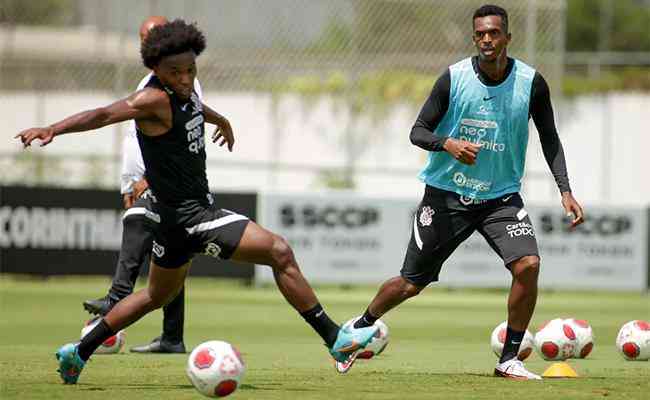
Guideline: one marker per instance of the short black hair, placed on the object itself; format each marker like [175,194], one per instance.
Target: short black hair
[175,37]
[489,9]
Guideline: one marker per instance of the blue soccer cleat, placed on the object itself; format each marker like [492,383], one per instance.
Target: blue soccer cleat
[350,340]
[70,364]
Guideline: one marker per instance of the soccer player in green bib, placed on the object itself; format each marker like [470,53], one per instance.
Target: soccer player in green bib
[475,127]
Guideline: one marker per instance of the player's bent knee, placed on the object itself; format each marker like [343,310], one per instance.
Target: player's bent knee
[528,266]
[281,252]
[410,290]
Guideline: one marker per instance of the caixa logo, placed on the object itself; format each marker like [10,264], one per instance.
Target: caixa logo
[601,225]
[312,216]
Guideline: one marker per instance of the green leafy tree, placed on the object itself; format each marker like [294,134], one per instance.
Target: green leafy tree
[628,29]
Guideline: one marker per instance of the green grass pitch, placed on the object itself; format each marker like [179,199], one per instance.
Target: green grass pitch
[439,345]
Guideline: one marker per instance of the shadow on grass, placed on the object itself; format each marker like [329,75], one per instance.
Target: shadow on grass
[135,386]
[157,386]
[154,386]
[411,374]
[276,386]
[284,388]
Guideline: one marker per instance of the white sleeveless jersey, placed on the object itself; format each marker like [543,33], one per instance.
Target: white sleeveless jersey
[132,164]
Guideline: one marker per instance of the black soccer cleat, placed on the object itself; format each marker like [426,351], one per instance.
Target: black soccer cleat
[99,306]
[160,346]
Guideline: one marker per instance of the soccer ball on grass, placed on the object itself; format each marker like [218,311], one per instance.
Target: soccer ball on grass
[584,337]
[633,340]
[555,340]
[112,345]
[215,368]
[499,337]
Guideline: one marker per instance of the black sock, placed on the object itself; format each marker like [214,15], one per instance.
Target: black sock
[94,339]
[322,324]
[511,345]
[365,321]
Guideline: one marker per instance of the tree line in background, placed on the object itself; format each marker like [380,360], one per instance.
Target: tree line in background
[623,25]
[592,25]
[627,25]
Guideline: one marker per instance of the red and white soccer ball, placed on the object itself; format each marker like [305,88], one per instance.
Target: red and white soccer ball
[377,344]
[633,340]
[584,336]
[215,368]
[112,345]
[555,340]
[499,337]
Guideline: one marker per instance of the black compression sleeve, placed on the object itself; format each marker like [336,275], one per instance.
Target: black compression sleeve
[431,114]
[541,111]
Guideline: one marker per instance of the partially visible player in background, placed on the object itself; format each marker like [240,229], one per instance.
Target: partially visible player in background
[170,122]
[137,236]
[475,126]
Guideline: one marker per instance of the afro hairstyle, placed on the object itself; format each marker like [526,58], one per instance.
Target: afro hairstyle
[175,37]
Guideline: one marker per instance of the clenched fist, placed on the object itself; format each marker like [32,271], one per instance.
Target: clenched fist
[462,150]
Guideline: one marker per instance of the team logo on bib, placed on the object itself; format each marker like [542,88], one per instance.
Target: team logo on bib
[212,250]
[426,217]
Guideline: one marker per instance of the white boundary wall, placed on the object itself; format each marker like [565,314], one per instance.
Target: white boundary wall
[605,140]
[348,239]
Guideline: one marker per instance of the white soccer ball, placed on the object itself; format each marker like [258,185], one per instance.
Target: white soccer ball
[499,337]
[633,340]
[112,345]
[584,336]
[377,344]
[555,340]
[215,368]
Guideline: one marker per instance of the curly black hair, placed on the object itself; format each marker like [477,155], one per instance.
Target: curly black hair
[490,9]
[175,37]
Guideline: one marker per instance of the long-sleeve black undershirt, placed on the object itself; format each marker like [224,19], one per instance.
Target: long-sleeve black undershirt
[540,109]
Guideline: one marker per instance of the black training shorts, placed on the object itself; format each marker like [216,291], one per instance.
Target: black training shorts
[195,228]
[445,219]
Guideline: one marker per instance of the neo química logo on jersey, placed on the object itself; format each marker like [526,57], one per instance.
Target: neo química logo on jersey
[475,131]
[194,128]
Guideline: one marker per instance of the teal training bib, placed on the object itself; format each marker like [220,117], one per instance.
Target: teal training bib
[496,117]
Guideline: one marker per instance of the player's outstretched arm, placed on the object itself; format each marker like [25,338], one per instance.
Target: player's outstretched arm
[223,134]
[142,104]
